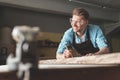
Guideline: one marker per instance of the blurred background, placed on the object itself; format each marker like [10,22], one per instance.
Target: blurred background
[52,16]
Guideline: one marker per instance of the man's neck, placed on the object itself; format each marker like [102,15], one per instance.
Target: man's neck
[81,33]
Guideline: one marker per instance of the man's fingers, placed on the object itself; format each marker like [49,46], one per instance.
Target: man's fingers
[67,53]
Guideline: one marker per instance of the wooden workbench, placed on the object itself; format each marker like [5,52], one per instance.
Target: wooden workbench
[102,67]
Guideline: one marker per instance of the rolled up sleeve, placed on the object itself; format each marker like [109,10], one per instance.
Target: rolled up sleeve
[65,41]
[101,40]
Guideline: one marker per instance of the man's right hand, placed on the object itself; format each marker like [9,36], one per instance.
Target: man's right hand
[67,53]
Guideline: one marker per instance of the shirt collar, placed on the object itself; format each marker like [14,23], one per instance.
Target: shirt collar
[77,38]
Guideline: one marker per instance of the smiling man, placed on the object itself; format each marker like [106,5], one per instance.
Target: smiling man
[86,39]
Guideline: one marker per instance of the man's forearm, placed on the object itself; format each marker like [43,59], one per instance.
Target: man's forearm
[103,51]
[59,55]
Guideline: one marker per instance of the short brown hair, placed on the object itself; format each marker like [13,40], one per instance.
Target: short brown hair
[81,12]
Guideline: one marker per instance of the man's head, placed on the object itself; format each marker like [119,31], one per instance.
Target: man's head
[79,20]
[81,12]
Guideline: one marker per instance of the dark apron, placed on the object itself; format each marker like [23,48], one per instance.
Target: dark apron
[84,47]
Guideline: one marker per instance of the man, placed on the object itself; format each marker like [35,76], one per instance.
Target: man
[86,39]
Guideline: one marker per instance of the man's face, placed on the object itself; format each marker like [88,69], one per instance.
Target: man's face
[78,23]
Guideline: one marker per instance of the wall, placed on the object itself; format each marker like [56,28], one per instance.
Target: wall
[46,21]
[63,7]
[115,42]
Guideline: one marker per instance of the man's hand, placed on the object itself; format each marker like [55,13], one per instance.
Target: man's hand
[89,54]
[67,53]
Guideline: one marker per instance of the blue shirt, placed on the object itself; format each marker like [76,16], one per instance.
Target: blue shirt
[96,36]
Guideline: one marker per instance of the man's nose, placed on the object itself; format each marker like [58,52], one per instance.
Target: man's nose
[74,24]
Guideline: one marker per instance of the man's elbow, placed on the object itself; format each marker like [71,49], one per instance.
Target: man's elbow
[59,55]
[105,50]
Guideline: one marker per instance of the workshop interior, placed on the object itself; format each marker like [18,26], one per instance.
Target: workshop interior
[31,30]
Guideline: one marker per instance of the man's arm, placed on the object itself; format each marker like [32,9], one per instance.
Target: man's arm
[59,56]
[101,42]
[67,54]
[103,51]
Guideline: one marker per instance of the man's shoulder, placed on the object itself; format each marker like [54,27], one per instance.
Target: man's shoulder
[70,30]
[93,27]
